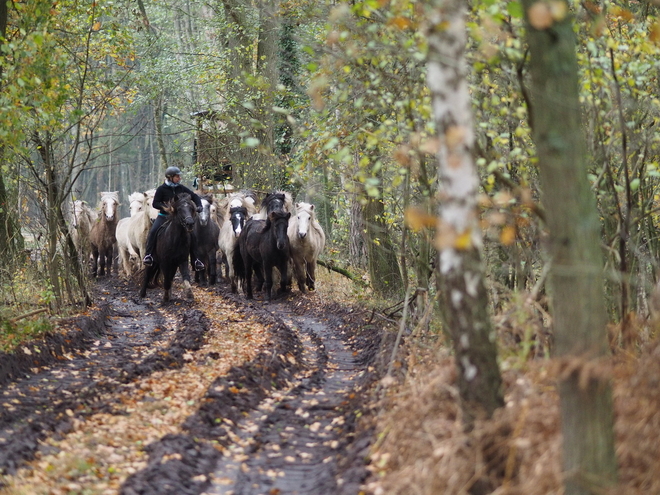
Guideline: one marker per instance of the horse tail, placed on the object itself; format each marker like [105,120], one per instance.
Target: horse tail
[237,262]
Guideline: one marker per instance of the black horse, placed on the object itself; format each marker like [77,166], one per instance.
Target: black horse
[275,201]
[173,247]
[206,233]
[263,245]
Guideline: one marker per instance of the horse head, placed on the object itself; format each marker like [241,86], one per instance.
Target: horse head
[237,216]
[149,201]
[77,212]
[136,202]
[185,211]
[109,204]
[273,202]
[304,214]
[205,215]
[279,222]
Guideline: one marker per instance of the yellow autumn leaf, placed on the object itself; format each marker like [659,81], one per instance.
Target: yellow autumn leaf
[508,235]
[540,16]
[463,241]
[96,26]
[622,13]
[558,10]
[418,219]
[455,136]
[400,22]
[654,34]
[430,146]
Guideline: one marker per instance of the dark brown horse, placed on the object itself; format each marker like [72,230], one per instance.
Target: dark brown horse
[173,247]
[263,245]
[102,236]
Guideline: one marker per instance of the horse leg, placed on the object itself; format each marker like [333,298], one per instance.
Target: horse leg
[168,278]
[248,278]
[268,270]
[285,278]
[299,272]
[148,274]
[311,274]
[95,257]
[203,275]
[212,268]
[184,269]
[259,274]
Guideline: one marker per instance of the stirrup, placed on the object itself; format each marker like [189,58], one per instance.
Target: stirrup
[199,266]
[148,260]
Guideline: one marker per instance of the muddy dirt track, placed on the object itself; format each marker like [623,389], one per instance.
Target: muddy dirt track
[286,421]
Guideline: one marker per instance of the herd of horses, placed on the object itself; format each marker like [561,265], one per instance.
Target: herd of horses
[232,234]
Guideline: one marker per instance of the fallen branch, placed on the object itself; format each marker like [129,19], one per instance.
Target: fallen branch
[27,315]
[331,266]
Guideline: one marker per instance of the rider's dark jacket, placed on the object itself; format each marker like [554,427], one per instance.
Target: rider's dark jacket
[166,192]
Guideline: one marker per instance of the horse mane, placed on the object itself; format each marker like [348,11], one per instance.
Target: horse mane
[171,206]
[276,215]
[246,199]
[110,194]
[279,195]
[136,196]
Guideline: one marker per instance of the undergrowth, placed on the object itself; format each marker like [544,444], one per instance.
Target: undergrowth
[25,304]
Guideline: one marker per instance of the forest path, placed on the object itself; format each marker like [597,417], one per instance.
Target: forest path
[218,396]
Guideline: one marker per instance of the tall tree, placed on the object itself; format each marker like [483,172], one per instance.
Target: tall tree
[576,277]
[8,227]
[460,273]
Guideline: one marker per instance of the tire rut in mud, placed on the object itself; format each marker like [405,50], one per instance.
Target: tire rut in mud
[290,444]
[286,420]
[47,384]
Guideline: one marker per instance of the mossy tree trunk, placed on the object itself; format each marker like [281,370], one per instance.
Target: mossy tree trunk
[576,277]
[460,271]
[382,259]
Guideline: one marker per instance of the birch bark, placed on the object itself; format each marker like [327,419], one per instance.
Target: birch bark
[460,276]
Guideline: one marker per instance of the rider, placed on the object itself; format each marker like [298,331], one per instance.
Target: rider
[165,192]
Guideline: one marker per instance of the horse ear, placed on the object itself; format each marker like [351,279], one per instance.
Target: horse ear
[311,207]
[298,206]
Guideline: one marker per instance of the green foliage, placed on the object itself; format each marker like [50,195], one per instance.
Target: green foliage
[22,292]
[370,112]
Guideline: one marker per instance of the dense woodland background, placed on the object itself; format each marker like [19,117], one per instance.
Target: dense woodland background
[329,100]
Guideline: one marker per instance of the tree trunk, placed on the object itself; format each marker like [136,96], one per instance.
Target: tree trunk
[9,231]
[460,273]
[576,277]
[240,43]
[267,61]
[383,264]
[158,123]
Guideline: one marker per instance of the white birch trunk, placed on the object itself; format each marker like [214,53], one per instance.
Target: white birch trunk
[460,277]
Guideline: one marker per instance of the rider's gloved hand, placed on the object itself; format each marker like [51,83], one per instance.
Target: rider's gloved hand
[199,209]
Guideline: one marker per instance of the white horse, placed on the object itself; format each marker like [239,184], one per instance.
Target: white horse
[307,240]
[237,210]
[132,234]
[135,203]
[81,219]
